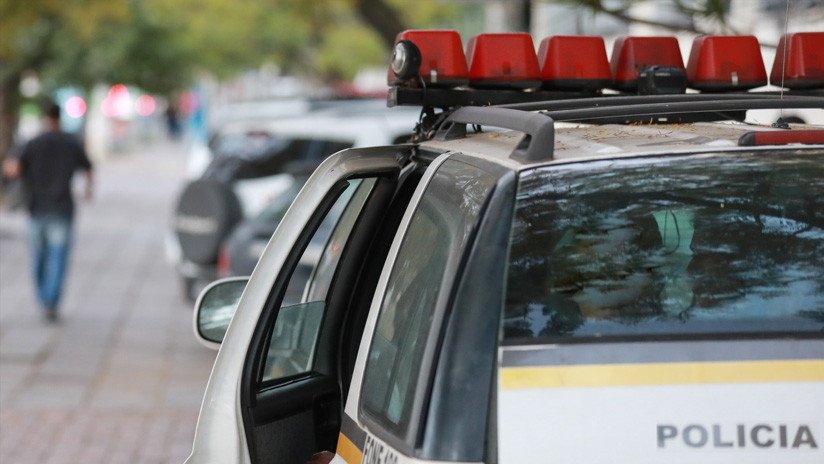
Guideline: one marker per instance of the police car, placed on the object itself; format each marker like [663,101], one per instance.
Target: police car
[551,272]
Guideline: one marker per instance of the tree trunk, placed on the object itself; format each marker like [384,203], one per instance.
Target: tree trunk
[519,15]
[382,18]
[9,112]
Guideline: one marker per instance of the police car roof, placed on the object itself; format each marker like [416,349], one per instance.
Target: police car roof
[586,142]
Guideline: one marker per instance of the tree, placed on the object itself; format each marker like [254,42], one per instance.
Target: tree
[26,38]
[81,42]
[715,11]
[160,44]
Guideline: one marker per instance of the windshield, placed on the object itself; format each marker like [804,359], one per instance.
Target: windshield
[686,246]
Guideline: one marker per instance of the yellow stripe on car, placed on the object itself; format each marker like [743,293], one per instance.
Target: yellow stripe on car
[688,373]
[348,450]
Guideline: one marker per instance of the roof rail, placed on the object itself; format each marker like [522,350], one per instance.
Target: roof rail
[538,128]
[623,100]
[450,98]
[674,109]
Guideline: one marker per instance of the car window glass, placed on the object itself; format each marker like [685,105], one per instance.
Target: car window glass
[276,209]
[318,285]
[427,261]
[705,245]
[294,335]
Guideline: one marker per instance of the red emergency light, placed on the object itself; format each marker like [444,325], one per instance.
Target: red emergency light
[631,56]
[804,64]
[638,62]
[503,60]
[720,63]
[436,57]
[574,63]
[782,137]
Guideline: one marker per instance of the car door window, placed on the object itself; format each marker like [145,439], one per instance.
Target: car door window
[427,261]
[294,336]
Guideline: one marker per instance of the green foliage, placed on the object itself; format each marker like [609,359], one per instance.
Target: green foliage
[160,44]
[715,10]
[345,50]
[135,50]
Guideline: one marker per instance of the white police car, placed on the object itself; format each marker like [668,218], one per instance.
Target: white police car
[607,279]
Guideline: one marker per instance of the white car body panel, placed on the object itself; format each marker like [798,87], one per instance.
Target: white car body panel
[597,422]
[255,194]
[220,437]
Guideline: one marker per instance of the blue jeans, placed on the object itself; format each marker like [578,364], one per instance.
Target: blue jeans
[50,238]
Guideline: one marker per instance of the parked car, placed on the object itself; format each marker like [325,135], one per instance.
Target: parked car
[240,251]
[255,162]
[631,278]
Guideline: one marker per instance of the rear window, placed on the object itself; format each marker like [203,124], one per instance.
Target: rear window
[678,247]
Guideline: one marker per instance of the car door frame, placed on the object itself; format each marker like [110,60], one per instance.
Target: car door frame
[220,435]
[359,434]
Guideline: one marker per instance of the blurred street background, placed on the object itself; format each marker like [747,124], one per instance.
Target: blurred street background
[120,377]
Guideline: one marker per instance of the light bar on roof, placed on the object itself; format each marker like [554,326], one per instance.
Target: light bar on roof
[639,60]
[440,59]
[719,63]
[574,63]
[503,60]
[804,65]
[782,137]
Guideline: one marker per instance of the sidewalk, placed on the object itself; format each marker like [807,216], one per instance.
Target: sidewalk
[120,378]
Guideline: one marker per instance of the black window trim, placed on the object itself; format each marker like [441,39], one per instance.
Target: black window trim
[471,331]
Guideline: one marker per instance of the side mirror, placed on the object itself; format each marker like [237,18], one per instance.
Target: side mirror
[215,307]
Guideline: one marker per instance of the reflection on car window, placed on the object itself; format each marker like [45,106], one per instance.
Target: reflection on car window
[312,254]
[327,263]
[427,259]
[275,210]
[294,336]
[292,345]
[700,245]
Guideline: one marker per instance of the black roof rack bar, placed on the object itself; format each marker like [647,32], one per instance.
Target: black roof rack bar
[538,128]
[449,98]
[676,108]
[536,99]
[623,100]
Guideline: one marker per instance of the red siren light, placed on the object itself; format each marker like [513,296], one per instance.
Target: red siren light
[503,60]
[574,63]
[630,55]
[804,64]
[720,63]
[440,60]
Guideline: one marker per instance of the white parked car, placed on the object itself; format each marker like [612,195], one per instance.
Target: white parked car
[255,161]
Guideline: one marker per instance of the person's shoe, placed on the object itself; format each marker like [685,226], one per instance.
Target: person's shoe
[51,314]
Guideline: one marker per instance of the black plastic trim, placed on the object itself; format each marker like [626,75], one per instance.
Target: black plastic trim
[449,98]
[675,108]
[623,100]
[539,129]
[747,140]
[458,421]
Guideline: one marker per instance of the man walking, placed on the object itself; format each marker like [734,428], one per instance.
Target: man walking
[47,164]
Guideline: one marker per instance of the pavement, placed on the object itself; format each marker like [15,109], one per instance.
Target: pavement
[120,378]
